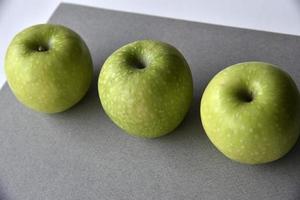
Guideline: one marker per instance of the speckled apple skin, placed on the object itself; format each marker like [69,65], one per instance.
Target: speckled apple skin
[50,81]
[255,132]
[148,102]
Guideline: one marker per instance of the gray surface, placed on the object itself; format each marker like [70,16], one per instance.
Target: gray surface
[80,154]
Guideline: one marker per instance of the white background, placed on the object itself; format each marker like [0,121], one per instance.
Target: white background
[281,16]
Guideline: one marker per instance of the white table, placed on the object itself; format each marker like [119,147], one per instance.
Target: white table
[281,16]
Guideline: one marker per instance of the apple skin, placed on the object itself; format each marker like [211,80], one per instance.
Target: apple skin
[48,67]
[250,112]
[146,88]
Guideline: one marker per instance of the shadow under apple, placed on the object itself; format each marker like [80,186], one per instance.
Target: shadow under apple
[3,194]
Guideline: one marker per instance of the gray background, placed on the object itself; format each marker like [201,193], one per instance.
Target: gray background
[80,154]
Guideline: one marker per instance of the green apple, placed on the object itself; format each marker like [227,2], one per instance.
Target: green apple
[146,88]
[250,112]
[48,67]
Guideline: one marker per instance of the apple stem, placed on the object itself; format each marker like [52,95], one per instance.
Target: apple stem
[41,48]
